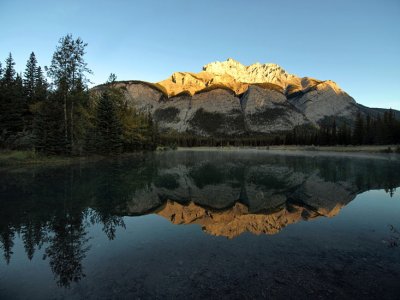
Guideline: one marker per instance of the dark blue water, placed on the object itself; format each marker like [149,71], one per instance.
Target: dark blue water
[202,225]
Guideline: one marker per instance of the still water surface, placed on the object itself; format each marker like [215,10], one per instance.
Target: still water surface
[234,225]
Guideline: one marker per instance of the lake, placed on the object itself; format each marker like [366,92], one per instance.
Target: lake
[203,224]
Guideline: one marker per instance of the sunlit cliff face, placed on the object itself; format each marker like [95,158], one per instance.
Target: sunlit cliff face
[236,220]
[232,75]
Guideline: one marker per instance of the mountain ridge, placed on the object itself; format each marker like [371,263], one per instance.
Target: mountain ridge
[230,99]
[238,77]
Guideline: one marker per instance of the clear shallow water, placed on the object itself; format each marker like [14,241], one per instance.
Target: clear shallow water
[202,225]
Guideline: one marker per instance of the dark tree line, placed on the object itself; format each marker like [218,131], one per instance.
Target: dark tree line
[192,140]
[366,130]
[61,116]
[363,130]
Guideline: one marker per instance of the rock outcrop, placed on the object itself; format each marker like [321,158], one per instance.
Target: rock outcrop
[324,99]
[256,73]
[230,99]
[267,110]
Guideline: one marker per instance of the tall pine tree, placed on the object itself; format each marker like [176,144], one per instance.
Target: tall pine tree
[9,71]
[41,86]
[48,130]
[11,105]
[30,78]
[108,126]
[358,133]
[30,81]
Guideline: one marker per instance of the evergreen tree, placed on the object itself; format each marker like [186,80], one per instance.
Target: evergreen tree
[368,138]
[378,129]
[30,78]
[48,130]
[389,127]
[334,133]
[17,106]
[11,104]
[153,136]
[344,135]
[108,126]
[2,107]
[41,86]
[358,134]
[45,108]
[29,88]
[9,72]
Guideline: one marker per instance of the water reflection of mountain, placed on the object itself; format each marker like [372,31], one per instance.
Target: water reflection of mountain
[233,221]
[259,195]
[226,193]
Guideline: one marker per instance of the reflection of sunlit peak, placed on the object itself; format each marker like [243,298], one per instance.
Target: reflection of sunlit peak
[234,221]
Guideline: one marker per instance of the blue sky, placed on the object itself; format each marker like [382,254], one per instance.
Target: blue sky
[355,43]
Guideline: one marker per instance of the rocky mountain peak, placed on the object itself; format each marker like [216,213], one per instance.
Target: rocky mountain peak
[255,73]
[237,77]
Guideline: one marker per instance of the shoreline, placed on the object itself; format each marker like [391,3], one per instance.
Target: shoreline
[376,152]
[17,158]
[375,149]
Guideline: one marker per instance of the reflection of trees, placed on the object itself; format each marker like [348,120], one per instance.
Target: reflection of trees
[110,222]
[33,235]
[52,209]
[67,248]
[390,191]
[7,242]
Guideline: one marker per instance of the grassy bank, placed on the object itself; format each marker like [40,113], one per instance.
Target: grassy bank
[15,158]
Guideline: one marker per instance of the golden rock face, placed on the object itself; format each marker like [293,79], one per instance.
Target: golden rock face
[236,220]
[236,77]
[193,83]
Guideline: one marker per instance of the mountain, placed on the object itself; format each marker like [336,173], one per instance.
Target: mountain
[230,99]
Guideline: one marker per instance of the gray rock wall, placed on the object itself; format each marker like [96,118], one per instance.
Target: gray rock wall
[220,112]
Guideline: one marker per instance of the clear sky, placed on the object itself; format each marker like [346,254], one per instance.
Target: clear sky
[353,42]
